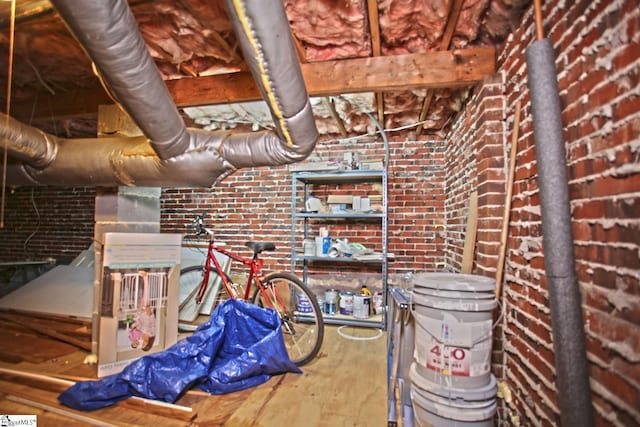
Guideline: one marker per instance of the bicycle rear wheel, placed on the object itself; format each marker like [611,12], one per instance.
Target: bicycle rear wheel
[302,322]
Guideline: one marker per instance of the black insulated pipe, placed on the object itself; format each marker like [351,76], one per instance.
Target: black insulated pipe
[567,323]
[109,34]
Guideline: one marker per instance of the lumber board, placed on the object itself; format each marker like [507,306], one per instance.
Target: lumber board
[507,202]
[72,327]
[468,251]
[443,69]
[58,385]
[24,344]
[84,345]
[46,316]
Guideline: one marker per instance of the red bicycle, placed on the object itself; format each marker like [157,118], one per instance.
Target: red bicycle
[296,305]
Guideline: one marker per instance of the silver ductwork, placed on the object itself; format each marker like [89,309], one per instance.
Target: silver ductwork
[169,154]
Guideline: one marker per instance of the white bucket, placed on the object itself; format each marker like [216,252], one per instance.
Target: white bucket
[434,405]
[454,282]
[453,328]
[361,306]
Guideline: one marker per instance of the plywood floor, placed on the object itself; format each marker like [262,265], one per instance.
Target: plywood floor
[344,386]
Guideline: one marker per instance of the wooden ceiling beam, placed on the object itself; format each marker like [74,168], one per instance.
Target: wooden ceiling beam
[448,69]
[376,50]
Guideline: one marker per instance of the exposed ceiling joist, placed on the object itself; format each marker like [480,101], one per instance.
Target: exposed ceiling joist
[374,28]
[332,110]
[447,69]
[452,21]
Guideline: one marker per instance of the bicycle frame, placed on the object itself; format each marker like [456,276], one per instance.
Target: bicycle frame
[254,265]
[302,329]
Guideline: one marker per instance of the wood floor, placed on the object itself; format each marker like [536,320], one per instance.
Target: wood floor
[344,386]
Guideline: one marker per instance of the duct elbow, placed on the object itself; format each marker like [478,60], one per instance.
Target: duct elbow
[267,148]
[27,143]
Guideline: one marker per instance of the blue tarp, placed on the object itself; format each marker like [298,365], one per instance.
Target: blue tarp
[241,346]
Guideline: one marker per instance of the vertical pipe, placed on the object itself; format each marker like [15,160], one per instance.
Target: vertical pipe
[564,294]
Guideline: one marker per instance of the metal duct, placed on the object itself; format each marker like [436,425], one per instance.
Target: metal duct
[173,154]
[28,143]
[572,373]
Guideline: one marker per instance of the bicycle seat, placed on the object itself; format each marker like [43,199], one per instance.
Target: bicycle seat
[258,247]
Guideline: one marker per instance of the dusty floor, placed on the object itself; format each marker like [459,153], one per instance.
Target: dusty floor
[344,386]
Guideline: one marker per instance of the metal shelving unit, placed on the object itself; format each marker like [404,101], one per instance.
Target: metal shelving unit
[343,177]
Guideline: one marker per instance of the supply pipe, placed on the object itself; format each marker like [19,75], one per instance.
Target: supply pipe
[170,154]
[572,372]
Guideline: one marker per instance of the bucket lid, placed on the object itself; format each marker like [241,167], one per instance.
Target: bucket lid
[454,304]
[481,393]
[461,404]
[454,294]
[454,413]
[454,282]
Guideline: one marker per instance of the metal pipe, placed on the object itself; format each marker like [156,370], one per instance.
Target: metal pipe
[572,372]
[108,32]
[173,155]
[28,143]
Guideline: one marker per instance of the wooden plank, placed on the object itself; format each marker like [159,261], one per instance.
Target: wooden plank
[23,344]
[87,419]
[48,402]
[46,316]
[76,329]
[84,345]
[456,68]
[452,22]
[135,403]
[507,202]
[117,415]
[374,30]
[336,118]
[470,236]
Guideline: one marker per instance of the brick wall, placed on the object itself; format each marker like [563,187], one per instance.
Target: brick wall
[47,222]
[258,206]
[475,161]
[596,45]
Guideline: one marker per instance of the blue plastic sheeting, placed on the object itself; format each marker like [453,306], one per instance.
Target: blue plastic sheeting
[241,346]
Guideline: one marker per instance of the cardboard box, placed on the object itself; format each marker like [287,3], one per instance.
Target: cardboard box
[371,165]
[138,305]
[339,199]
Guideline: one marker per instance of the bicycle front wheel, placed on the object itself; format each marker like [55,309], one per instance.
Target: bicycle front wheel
[302,323]
[191,285]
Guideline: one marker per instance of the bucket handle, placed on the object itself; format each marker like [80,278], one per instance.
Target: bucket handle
[477,340]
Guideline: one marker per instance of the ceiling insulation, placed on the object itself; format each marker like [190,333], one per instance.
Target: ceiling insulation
[196,51]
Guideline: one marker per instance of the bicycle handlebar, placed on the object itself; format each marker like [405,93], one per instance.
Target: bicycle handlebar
[198,223]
